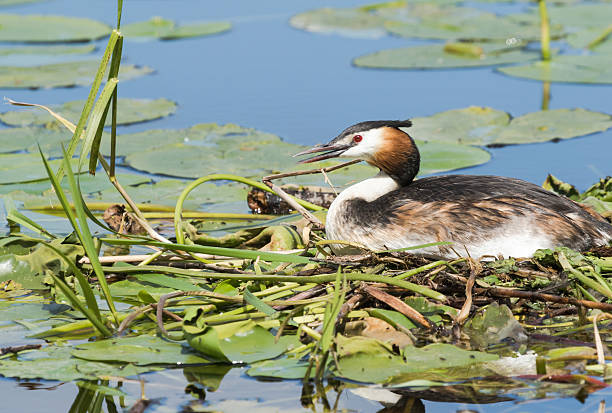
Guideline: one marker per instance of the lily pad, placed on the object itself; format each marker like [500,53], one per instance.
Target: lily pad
[25,168]
[56,363]
[492,324]
[486,126]
[582,15]
[13,2]
[371,361]
[130,111]
[168,30]
[140,350]
[238,342]
[10,311]
[347,22]
[209,148]
[50,29]
[566,68]
[78,73]
[19,139]
[438,56]
[553,124]
[473,26]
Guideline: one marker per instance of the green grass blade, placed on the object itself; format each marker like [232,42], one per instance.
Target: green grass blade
[226,252]
[76,137]
[331,312]
[86,238]
[76,303]
[258,304]
[93,135]
[59,192]
[90,298]
[12,214]
[119,9]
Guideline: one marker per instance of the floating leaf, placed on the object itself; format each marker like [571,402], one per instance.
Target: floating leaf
[36,55]
[238,342]
[167,29]
[50,29]
[140,350]
[468,26]
[436,56]
[493,324]
[130,111]
[12,2]
[348,22]
[53,363]
[566,68]
[472,125]
[553,124]
[582,15]
[10,311]
[18,139]
[209,148]
[486,126]
[286,368]
[78,73]
[24,168]
[368,360]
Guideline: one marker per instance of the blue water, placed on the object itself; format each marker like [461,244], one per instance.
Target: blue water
[301,86]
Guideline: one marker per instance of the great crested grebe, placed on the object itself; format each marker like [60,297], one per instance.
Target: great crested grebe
[481,215]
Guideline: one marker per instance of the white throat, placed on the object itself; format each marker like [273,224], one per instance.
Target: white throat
[337,224]
[369,189]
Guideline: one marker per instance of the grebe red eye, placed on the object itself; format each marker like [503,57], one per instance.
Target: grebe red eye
[358,138]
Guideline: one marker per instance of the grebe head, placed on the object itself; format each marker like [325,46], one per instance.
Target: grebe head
[381,143]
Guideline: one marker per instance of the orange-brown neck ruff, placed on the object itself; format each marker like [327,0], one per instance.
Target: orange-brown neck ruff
[398,156]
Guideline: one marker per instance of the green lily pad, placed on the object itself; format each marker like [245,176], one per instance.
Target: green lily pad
[56,363]
[10,311]
[437,56]
[13,2]
[209,148]
[486,126]
[18,139]
[566,68]
[472,125]
[167,191]
[596,39]
[78,73]
[50,29]
[129,111]
[47,50]
[25,167]
[553,124]
[468,26]
[347,22]
[140,350]
[238,342]
[287,368]
[168,30]
[492,324]
[368,360]
[582,15]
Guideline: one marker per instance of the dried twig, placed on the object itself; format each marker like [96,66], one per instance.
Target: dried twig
[475,269]
[398,305]
[17,349]
[531,295]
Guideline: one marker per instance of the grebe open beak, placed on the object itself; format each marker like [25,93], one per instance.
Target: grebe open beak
[332,151]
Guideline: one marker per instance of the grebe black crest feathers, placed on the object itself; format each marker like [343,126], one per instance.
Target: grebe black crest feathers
[483,215]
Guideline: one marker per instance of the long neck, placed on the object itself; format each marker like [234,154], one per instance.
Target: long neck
[398,157]
[370,189]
